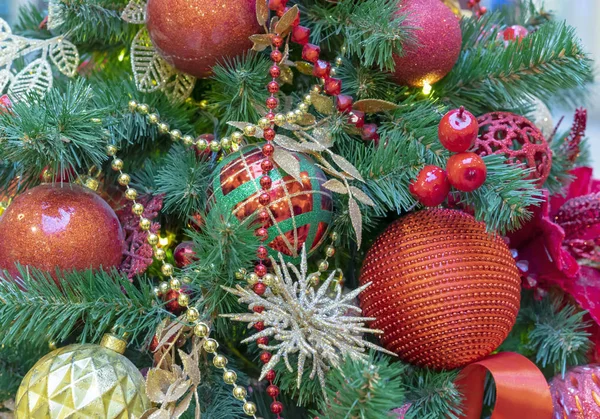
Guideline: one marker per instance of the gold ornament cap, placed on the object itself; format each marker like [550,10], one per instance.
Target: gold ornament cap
[114,343]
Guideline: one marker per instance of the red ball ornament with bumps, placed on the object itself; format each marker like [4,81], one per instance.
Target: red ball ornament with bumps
[444,291]
[518,139]
[466,171]
[458,130]
[436,45]
[68,228]
[193,36]
[431,186]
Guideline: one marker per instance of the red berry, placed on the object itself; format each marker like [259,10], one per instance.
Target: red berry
[275,71]
[356,118]
[270,376]
[260,269]
[269,134]
[259,288]
[431,187]
[273,391]
[300,35]
[343,103]
[262,341]
[310,52]
[265,357]
[277,5]
[458,130]
[515,32]
[321,69]
[333,86]
[276,55]
[369,133]
[276,407]
[259,326]
[154,344]
[273,87]
[258,309]
[466,171]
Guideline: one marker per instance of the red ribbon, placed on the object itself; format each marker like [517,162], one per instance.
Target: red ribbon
[521,389]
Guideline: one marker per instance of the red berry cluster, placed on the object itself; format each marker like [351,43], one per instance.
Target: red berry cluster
[477,8]
[465,171]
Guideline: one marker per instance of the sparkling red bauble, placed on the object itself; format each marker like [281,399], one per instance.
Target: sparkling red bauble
[431,187]
[458,130]
[298,212]
[577,395]
[51,227]
[172,304]
[518,139]
[444,291]
[466,171]
[195,35]
[436,45]
[184,254]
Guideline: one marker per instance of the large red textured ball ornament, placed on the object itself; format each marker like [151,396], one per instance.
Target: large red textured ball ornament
[577,395]
[436,45]
[194,35]
[51,227]
[444,291]
[518,139]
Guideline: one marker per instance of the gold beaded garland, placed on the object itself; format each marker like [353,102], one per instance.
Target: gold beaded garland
[214,146]
[111,150]
[250,130]
[175,135]
[239,392]
[183,299]
[163,287]
[132,105]
[264,123]
[210,345]
[250,408]
[192,314]
[153,118]
[160,254]
[201,330]
[124,179]
[130,194]
[152,239]
[220,361]
[167,269]
[163,128]
[229,377]
[145,224]
[117,164]
[137,209]
[175,284]
[188,140]
[143,109]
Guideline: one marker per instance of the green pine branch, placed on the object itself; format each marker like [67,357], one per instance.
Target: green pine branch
[88,304]
[492,76]
[433,394]
[364,83]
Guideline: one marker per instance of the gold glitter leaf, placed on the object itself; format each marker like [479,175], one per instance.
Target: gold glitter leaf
[347,167]
[190,366]
[323,137]
[307,119]
[170,331]
[65,57]
[288,162]
[285,23]
[158,383]
[304,67]
[149,68]
[159,414]
[288,143]
[336,186]
[135,12]
[356,218]
[36,77]
[361,196]
[261,41]
[273,23]
[179,88]
[287,75]
[322,103]
[374,105]
[177,390]
[183,406]
[262,12]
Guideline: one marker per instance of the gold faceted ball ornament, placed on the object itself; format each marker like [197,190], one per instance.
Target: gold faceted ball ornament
[83,381]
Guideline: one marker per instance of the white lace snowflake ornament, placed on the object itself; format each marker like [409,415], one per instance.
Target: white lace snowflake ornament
[310,323]
[150,71]
[37,75]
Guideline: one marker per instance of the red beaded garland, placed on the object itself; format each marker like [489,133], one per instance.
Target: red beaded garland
[333,86]
[321,69]
[269,134]
[262,232]
[277,5]
[444,291]
[272,103]
[356,118]
[343,103]
[260,270]
[263,216]
[275,71]
[266,182]
[270,376]
[268,150]
[259,288]
[276,55]
[369,132]
[273,390]
[262,252]
[276,407]
[273,87]
[265,357]
[266,165]
[277,41]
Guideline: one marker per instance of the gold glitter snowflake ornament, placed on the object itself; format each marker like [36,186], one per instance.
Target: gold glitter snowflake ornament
[325,329]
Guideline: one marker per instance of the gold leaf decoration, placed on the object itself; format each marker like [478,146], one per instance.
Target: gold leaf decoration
[262,12]
[322,103]
[374,105]
[307,119]
[323,137]
[285,23]
[286,160]
[304,67]
[287,75]
[361,196]
[190,366]
[347,167]
[274,21]
[356,219]
[288,143]
[261,41]
[158,383]
[336,186]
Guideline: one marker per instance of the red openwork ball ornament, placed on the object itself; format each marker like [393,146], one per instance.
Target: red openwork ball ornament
[431,187]
[458,130]
[466,171]
[444,291]
[518,139]
[66,227]
[194,35]
[435,46]
[577,394]
[273,391]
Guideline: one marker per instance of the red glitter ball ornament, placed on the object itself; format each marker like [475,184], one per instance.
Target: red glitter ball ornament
[194,35]
[184,254]
[69,228]
[518,139]
[436,45]
[577,395]
[444,291]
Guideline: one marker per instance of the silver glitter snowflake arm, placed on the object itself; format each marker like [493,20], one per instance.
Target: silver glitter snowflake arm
[318,327]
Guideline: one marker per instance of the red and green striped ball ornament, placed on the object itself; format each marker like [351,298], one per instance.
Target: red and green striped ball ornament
[299,212]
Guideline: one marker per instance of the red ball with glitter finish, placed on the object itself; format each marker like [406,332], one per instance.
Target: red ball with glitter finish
[193,36]
[458,130]
[184,254]
[172,303]
[436,45]
[431,187]
[577,394]
[466,171]
[69,228]
[444,291]
[518,139]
